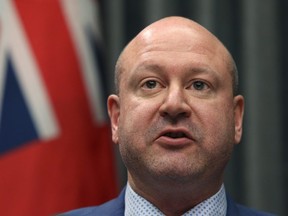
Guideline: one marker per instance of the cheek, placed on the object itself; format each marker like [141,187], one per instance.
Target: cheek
[133,123]
[218,123]
[136,115]
[218,132]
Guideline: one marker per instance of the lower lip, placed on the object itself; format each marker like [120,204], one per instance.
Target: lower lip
[174,142]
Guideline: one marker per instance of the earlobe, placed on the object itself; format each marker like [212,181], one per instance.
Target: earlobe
[113,107]
[238,117]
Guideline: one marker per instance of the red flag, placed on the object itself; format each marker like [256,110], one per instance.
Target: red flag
[55,148]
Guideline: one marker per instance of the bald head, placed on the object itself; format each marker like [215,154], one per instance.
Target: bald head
[177,34]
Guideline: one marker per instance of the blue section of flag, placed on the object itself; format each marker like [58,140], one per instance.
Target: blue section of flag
[16,125]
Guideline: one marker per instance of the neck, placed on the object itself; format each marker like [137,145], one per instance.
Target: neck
[175,198]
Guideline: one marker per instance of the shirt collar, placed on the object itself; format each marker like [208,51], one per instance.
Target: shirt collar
[137,205]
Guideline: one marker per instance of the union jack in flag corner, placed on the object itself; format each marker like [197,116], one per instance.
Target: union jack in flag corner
[55,148]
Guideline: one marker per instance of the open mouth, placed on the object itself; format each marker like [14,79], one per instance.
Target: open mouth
[175,138]
[175,135]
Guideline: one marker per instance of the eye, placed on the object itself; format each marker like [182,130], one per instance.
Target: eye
[199,85]
[150,84]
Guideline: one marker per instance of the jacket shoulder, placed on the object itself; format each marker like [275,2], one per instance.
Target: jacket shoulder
[234,209]
[243,210]
[113,207]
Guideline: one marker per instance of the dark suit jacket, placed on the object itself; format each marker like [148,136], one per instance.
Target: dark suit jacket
[115,207]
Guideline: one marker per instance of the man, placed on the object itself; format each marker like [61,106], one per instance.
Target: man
[176,118]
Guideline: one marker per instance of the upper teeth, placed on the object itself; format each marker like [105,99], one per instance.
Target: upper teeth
[175,134]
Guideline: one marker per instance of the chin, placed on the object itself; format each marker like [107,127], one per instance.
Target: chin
[178,172]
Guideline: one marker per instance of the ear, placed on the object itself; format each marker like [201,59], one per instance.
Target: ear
[114,112]
[238,117]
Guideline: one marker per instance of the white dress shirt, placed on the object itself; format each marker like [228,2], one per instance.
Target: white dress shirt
[135,205]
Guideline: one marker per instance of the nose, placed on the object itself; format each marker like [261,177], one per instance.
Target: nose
[175,104]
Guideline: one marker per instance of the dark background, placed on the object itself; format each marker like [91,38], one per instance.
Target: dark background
[256,33]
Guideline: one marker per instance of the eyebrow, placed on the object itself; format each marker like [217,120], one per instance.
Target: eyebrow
[149,67]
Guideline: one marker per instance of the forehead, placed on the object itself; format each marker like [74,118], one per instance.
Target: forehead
[174,38]
[177,45]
